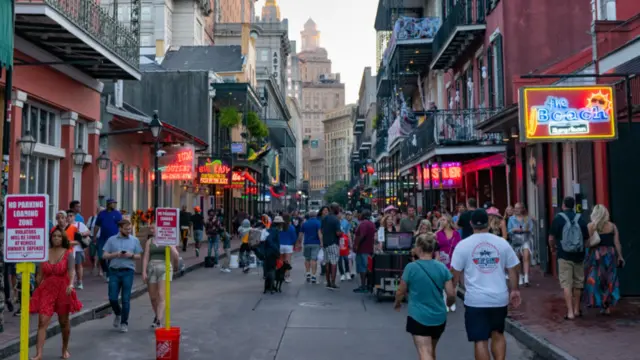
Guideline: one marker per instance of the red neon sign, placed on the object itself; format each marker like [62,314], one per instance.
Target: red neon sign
[451,175]
[181,168]
[214,172]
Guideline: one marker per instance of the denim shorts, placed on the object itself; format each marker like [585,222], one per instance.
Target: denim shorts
[311,252]
[197,235]
[362,261]
[480,322]
[79,255]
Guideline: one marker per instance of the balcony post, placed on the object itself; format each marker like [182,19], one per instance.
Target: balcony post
[478,187]
[491,182]
[443,201]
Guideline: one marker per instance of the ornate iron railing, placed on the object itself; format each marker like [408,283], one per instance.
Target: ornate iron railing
[447,128]
[464,12]
[95,21]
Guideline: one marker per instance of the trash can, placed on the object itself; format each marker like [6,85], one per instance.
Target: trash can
[168,343]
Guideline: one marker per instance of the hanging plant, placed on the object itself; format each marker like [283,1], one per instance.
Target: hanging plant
[264,131]
[256,127]
[374,122]
[229,117]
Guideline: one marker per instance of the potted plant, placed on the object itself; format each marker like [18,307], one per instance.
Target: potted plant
[229,117]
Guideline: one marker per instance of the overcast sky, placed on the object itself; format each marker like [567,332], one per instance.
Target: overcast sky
[346,31]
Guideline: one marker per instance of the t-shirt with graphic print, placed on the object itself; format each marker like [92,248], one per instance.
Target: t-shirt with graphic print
[484,258]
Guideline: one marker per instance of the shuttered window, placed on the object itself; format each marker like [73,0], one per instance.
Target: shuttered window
[499,71]
[490,80]
[481,80]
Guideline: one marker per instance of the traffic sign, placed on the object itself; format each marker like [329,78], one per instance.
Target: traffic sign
[26,228]
[167,231]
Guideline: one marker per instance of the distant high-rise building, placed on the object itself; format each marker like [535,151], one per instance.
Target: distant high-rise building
[322,92]
[271,11]
[294,77]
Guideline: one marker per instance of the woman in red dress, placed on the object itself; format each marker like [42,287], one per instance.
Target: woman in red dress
[55,292]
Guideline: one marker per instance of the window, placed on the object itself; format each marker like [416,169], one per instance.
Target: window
[146,40]
[40,123]
[38,175]
[469,95]
[496,73]
[80,134]
[124,13]
[480,66]
[146,13]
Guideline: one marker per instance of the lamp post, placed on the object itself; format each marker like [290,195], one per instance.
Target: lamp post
[103,161]
[155,126]
[27,144]
[79,156]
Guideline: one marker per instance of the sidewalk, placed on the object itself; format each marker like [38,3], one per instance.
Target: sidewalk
[95,302]
[539,323]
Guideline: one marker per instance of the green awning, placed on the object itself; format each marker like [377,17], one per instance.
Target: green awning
[6,33]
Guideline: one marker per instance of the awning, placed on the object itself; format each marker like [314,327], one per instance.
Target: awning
[6,34]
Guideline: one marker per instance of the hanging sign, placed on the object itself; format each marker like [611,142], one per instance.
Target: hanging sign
[214,172]
[567,113]
[451,175]
[167,232]
[26,235]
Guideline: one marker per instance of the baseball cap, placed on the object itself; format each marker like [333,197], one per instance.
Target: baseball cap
[479,219]
[109,201]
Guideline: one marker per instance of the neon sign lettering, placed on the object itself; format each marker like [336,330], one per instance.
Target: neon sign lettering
[214,173]
[451,175]
[181,168]
[562,119]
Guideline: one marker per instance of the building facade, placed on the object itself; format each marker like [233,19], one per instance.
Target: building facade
[294,77]
[338,138]
[363,132]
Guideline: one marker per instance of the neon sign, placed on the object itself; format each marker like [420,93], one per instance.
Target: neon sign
[451,176]
[567,113]
[214,172]
[181,168]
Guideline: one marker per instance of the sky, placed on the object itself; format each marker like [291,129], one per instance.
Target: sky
[346,31]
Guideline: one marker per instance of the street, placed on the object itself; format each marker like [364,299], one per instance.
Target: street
[225,316]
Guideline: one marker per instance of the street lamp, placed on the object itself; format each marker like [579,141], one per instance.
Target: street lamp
[103,161]
[156,127]
[79,156]
[27,144]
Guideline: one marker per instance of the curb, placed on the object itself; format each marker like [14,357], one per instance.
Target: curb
[539,345]
[96,312]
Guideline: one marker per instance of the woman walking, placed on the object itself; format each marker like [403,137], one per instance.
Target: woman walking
[55,292]
[497,225]
[423,228]
[245,248]
[424,280]
[604,257]
[388,224]
[154,274]
[288,237]
[520,228]
[447,239]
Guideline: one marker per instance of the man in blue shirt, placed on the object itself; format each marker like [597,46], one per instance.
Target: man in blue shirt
[107,226]
[75,206]
[122,249]
[310,230]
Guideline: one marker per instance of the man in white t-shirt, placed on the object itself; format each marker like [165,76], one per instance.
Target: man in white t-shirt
[78,250]
[485,258]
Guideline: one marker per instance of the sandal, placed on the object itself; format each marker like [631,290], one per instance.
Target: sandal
[566,317]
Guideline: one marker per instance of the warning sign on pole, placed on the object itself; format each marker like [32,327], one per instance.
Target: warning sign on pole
[26,228]
[167,230]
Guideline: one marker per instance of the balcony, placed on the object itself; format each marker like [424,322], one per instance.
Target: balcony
[358,126]
[449,132]
[280,133]
[464,25]
[80,33]
[410,47]
[383,88]
[364,143]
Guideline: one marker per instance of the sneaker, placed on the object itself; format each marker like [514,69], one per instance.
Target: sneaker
[9,305]
[349,277]
[287,280]
[334,287]
[521,280]
[453,308]
[314,280]
[79,286]
[226,270]
[328,286]
[155,323]
[124,328]
[116,321]
[307,276]
[343,278]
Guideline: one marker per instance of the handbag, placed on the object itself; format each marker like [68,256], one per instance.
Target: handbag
[519,239]
[429,275]
[594,240]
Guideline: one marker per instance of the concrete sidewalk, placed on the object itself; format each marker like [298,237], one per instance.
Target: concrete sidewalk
[539,324]
[95,302]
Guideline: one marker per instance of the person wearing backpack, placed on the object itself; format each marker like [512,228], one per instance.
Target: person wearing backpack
[567,239]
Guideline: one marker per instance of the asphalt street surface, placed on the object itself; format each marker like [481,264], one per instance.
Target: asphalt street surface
[225,316]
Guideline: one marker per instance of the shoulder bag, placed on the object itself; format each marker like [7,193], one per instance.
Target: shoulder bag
[594,240]
[430,278]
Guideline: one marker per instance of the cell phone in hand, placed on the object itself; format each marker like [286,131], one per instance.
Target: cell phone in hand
[123,252]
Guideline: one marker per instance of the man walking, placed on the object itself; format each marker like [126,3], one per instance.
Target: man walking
[363,247]
[106,226]
[409,223]
[484,259]
[122,250]
[185,226]
[464,222]
[331,233]
[312,237]
[566,239]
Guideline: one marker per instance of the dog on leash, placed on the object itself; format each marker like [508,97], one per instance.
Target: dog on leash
[280,276]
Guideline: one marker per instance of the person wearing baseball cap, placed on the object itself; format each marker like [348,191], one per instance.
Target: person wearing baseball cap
[106,226]
[484,259]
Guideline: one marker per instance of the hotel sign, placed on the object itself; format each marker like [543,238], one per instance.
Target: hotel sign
[567,113]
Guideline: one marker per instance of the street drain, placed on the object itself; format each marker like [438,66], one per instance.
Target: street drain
[316,304]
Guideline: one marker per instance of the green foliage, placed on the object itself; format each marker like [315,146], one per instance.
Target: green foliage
[374,122]
[229,117]
[338,192]
[257,128]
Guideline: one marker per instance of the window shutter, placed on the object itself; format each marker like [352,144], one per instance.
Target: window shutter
[490,79]
[499,71]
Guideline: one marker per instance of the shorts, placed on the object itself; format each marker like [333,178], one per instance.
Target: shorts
[286,249]
[79,255]
[570,274]
[416,329]
[156,272]
[93,249]
[331,254]
[361,263]
[197,235]
[481,322]
[311,252]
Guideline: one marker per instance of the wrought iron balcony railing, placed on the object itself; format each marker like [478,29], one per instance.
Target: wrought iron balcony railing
[464,12]
[95,21]
[447,128]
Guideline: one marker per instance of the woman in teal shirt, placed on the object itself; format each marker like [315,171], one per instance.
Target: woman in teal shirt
[425,279]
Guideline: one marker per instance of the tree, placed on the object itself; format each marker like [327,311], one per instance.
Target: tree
[338,193]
